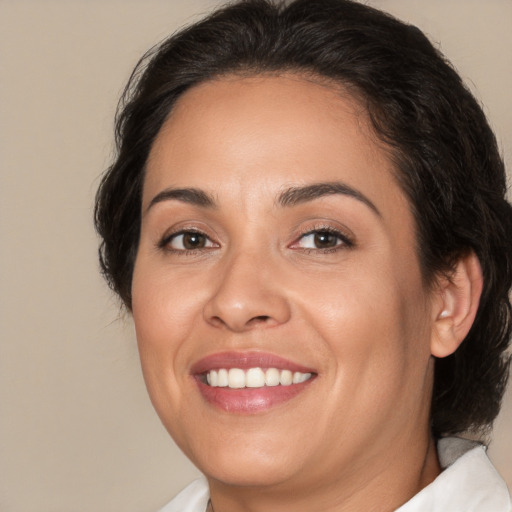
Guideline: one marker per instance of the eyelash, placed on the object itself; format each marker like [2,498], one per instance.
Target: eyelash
[164,244]
[345,240]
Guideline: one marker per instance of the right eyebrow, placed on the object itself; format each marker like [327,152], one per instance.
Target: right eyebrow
[193,196]
[302,194]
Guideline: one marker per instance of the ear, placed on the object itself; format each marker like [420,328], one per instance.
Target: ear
[455,305]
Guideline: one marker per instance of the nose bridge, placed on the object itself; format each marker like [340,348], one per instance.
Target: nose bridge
[247,293]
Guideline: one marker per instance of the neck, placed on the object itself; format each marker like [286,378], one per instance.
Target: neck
[384,487]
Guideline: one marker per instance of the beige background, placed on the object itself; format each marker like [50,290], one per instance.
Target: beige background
[77,432]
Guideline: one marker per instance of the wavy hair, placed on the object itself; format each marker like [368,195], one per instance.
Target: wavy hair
[445,154]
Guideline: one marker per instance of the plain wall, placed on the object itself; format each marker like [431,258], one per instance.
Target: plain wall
[77,431]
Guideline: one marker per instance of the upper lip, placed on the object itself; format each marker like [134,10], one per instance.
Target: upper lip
[246,360]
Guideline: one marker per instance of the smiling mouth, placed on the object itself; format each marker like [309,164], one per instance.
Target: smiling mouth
[250,382]
[238,378]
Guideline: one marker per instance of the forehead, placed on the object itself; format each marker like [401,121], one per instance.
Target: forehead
[236,133]
[265,104]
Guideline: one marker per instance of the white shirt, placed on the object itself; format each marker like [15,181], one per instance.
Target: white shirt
[468,483]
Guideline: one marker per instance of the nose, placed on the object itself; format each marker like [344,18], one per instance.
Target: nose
[248,295]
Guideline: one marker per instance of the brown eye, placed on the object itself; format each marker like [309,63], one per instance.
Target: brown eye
[193,241]
[324,239]
[189,241]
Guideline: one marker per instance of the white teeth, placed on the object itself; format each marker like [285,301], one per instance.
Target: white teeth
[299,377]
[237,378]
[255,378]
[223,379]
[286,378]
[272,377]
[213,378]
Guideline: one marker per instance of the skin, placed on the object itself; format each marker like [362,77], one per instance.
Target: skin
[358,313]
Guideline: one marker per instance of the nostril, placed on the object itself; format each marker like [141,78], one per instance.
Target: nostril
[259,319]
[217,322]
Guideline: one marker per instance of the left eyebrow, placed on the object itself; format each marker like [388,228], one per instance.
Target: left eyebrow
[192,196]
[297,195]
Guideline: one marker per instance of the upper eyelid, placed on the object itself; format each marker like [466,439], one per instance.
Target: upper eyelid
[320,229]
[345,242]
[342,232]
[170,235]
[345,234]
[186,228]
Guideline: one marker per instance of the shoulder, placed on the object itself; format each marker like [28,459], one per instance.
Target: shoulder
[193,498]
[469,482]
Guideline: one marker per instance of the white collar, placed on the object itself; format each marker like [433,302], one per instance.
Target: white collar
[468,483]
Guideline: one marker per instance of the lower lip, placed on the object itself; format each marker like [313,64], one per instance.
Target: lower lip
[250,400]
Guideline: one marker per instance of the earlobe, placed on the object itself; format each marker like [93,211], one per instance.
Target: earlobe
[456,305]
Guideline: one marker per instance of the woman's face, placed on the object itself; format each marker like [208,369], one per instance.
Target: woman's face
[276,242]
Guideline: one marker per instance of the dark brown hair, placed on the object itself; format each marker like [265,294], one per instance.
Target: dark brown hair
[446,156]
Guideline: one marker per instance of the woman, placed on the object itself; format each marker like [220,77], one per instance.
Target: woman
[307,220]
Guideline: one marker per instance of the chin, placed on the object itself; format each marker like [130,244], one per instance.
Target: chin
[243,461]
[253,472]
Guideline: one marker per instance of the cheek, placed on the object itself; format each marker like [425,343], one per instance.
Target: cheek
[163,305]
[167,311]
[158,325]
[377,321]
[162,322]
